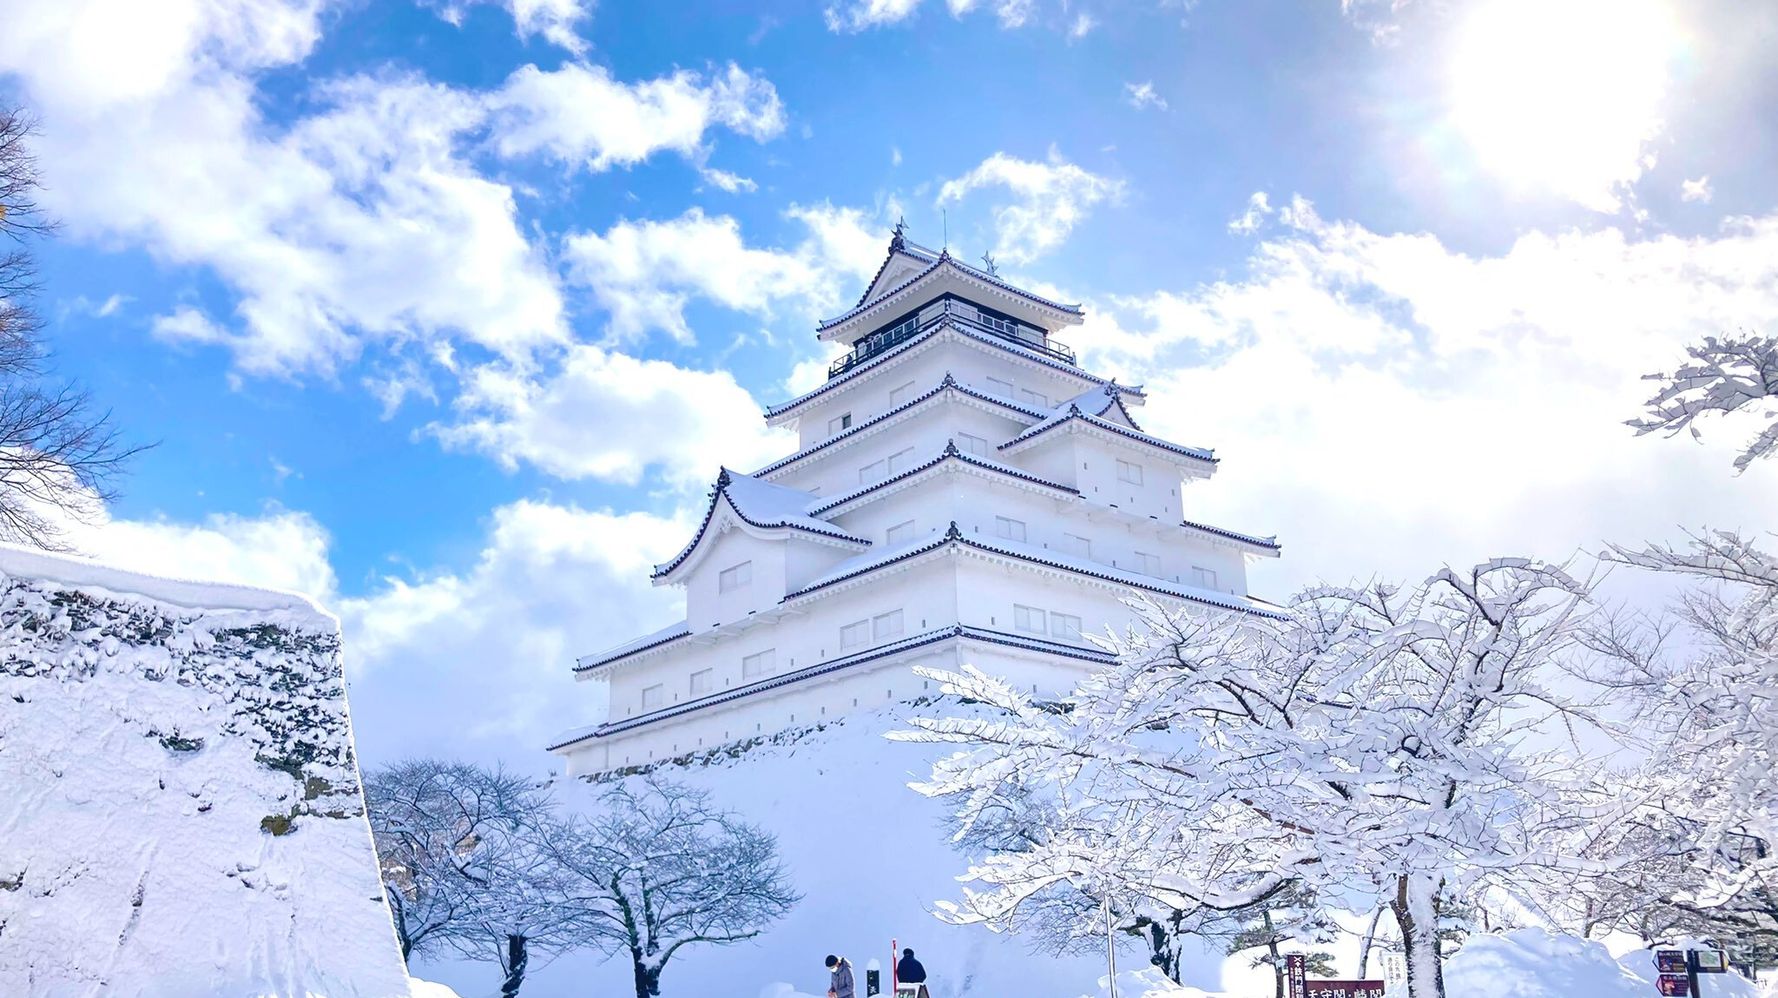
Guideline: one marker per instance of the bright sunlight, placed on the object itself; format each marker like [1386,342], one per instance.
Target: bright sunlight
[1559,96]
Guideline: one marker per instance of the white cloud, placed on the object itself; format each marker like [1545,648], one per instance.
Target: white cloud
[1259,208]
[644,273]
[476,662]
[613,417]
[280,550]
[1696,190]
[1142,95]
[1049,199]
[582,114]
[857,15]
[1083,23]
[358,222]
[1386,403]
[724,180]
[558,21]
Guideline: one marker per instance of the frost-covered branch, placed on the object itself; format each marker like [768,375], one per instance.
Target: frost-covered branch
[1723,376]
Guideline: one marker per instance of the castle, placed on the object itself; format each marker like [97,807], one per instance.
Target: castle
[964,492]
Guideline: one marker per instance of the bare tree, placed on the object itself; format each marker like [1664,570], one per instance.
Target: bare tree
[1723,376]
[464,865]
[59,457]
[658,868]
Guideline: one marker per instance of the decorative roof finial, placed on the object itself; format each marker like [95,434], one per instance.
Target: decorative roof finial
[899,239]
[989,265]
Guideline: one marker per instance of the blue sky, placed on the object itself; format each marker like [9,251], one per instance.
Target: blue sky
[448,311]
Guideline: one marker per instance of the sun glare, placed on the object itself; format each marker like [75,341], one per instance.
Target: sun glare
[1563,95]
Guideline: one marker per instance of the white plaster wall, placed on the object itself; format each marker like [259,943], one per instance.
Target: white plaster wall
[706,606]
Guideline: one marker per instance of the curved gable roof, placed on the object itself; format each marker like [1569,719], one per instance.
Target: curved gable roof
[760,504]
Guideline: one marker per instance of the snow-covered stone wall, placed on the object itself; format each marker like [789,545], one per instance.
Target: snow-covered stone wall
[181,811]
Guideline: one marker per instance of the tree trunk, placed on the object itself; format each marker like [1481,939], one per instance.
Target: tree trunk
[1370,938]
[1272,948]
[648,979]
[516,958]
[1413,908]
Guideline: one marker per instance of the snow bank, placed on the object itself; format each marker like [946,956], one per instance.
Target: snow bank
[1534,963]
[1148,982]
[1641,964]
[182,813]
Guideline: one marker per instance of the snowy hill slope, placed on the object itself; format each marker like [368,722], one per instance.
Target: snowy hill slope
[869,855]
[182,813]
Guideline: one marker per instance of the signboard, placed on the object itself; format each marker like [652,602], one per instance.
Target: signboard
[1673,984]
[1345,989]
[1296,974]
[1712,961]
[1670,961]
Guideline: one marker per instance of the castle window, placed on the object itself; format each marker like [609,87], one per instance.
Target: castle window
[1064,626]
[969,443]
[1203,578]
[855,635]
[1077,545]
[702,682]
[886,625]
[872,472]
[1149,563]
[841,422]
[1001,386]
[901,533]
[1009,528]
[653,696]
[759,664]
[735,577]
[1037,399]
[899,461]
[900,395]
[998,323]
[1128,472]
[1029,618]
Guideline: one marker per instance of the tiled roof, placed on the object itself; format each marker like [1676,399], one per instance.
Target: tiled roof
[1254,539]
[760,504]
[1075,414]
[960,328]
[948,383]
[949,633]
[942,259]
[666,635]
[950,453]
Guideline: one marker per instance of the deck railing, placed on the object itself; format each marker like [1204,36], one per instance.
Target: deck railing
[1026,337]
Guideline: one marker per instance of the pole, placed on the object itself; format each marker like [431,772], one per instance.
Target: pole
[1691,972]
[894,965]
[1110,948]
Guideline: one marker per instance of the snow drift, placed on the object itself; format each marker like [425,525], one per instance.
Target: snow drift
[182,813]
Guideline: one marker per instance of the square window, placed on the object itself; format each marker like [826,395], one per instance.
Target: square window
[1009,528]
[872,472]
[886,625]
[1203,578]
[900,395]
[1077,545]
[1064,626]
[1037,399]
[1029,618]
[969,443]
[899,461]
[1150,564]
[1001,387]
[653,696]
[760,663]
[855,635]
[901,533]
[735,577]
[702,682]
[841,422]
[1127,472]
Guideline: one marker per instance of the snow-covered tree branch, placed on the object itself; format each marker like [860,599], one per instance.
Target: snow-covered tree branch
[1723,376]
[1380,746]
[658,868]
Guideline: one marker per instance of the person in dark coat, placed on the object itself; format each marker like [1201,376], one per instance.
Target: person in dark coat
[908,969]
[841,985]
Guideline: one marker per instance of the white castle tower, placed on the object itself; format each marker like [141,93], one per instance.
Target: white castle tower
[964,493]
